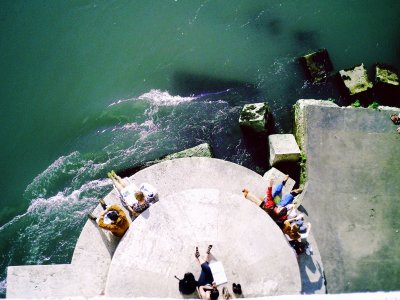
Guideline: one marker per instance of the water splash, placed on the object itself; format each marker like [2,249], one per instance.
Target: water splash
[158,97]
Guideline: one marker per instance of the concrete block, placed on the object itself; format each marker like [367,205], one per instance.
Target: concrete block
[254,116]
[202,150]
[317,64]
[278,177]
[356,80]
[386,75]
[300,118]
[283,147]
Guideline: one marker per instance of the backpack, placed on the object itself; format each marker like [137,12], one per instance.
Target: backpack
[187,285]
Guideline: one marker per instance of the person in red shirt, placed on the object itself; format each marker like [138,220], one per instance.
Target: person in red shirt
[277,213]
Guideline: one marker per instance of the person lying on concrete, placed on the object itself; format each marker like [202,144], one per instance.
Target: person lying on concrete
[286,199]
[112,218]
[276,212]
[206,276]
[135,200]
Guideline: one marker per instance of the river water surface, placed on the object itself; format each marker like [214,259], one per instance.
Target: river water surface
[90,86]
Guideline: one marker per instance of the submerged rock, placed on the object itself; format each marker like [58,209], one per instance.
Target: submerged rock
[202,150]
[386,75]
[254,116]
[317,64]
[356,80]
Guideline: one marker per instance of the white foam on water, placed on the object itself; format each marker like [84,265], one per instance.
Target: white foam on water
[159,97]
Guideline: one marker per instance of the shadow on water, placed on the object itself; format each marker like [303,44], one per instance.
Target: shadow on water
[188,84]
[306,39]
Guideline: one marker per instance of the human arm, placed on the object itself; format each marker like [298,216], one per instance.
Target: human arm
[298,217]
[269,201]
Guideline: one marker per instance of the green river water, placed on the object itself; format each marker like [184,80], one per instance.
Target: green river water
[90,86]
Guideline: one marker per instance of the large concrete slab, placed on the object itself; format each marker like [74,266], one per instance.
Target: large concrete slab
[353,158]
[161,244]
[86,275]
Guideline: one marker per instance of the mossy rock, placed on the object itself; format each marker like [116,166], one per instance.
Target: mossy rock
[254,116]
[386,75]
[317,64]
[356,79]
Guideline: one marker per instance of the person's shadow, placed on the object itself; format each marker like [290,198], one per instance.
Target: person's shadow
[309,286]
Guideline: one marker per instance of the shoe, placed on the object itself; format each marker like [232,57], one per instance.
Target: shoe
[209,249]
[103,203]
[197,253]
[113,173]
[109,175]
[239,289]
[91,217]
[297,191]
[234,288]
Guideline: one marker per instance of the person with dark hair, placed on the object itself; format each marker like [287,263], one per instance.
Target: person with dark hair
[278,213]
[112,218]
[207,287]
[209,292]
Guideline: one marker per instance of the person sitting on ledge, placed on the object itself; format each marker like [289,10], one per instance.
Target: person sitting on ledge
[130,192]
[112,218]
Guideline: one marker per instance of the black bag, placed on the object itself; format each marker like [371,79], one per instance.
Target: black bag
[188,284]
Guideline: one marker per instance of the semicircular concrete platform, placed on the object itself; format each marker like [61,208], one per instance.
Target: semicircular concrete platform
[200,203]
[161,244]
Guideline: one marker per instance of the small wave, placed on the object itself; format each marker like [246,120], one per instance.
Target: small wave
[14,220]
[159,97]
[39,186]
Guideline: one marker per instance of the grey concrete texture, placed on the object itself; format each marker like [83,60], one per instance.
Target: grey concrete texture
[161,243]
[87,274]
[282,148]
[353,195]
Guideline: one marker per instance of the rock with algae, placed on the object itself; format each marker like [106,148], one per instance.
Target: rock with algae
[317,64]
[254,116]
[386,75]
[356,80]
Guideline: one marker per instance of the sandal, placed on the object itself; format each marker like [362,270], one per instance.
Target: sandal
[209,249]
[226,293]
[197,253]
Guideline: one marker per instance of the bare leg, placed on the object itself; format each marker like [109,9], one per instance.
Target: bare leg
[253,198]
[122,181]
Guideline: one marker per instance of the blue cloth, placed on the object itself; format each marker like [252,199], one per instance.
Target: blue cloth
[287,199]
[282,201]
[276,190]
[206,276]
